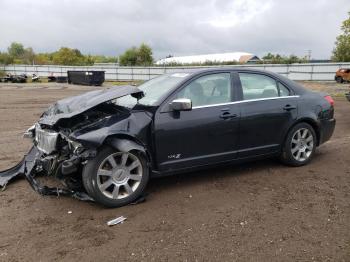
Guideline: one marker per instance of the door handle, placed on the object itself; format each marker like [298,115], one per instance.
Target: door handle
[289,107]
[227,115]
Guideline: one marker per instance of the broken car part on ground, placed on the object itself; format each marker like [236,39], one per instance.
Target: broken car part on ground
[104,145]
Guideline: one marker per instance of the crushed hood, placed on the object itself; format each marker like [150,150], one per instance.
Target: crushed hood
[71,106]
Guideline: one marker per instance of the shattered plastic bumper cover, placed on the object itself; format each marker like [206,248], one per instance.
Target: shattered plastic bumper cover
[26,168]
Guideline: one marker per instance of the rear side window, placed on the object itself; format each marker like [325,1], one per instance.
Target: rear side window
[256,86]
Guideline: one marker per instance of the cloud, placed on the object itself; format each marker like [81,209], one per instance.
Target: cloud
[175,27]
[237,13]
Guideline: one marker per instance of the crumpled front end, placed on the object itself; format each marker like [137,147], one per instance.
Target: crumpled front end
[56,151]
[44,159]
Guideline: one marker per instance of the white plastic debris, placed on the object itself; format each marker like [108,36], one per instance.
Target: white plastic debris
[116,221]
[243,223]
[70,212]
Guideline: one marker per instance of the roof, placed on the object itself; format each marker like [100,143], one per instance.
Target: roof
[196,71]
[239,57]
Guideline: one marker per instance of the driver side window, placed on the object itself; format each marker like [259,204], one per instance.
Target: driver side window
[208,90]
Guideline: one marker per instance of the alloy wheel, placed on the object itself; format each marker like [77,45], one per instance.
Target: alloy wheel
[119,175]
[302,144]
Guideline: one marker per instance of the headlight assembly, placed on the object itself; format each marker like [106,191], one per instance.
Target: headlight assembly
[76,147]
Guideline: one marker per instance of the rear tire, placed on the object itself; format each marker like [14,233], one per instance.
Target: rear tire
[299,146]
[115,178]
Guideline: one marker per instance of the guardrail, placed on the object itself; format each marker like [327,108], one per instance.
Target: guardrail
[312,71]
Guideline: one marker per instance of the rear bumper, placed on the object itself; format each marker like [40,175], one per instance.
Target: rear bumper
[326,130]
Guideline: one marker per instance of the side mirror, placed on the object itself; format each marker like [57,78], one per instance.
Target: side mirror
[181,104]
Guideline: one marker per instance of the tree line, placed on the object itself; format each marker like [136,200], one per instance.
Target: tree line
[18,54]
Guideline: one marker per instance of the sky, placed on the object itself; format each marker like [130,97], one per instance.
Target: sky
[176,27]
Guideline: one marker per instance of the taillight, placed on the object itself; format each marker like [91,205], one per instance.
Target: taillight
[330,100]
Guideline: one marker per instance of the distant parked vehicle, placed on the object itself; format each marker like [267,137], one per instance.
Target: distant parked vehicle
[8,78]
[22,78]
[16,78]
[342,75]
[51,78]
[35,78]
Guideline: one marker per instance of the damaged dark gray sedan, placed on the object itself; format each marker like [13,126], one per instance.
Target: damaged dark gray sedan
[105,145]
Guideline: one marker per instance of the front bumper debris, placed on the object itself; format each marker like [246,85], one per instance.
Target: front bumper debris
[27,168]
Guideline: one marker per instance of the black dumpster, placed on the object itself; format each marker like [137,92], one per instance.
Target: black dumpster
[91,78]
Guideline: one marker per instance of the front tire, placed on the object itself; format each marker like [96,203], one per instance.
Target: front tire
[115,178]
[299,146]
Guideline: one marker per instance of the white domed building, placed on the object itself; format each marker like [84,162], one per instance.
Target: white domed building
[237,57]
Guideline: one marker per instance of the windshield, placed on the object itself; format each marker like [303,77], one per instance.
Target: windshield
[153,89]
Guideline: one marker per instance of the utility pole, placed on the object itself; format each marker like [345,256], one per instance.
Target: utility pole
[309,52]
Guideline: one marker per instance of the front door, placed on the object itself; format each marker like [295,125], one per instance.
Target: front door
[204,135]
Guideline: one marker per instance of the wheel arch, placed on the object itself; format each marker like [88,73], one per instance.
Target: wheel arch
[313,123]
[128,143]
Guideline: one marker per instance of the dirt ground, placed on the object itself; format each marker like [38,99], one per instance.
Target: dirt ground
[260,211]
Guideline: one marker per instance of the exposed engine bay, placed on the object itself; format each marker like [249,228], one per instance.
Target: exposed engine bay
[62,143]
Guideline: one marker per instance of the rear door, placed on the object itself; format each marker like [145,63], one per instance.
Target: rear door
[268,108]
[207,134]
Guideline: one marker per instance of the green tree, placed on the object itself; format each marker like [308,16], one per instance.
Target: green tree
[144,56]
[129,58]
[28,56]
[269,56]
[273,58]
[16,50]
[341,52]
[279,59]
[43,59]
[104,59]
[141,56]
[88,60]
[5,59]
[294,59]
[68,56]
